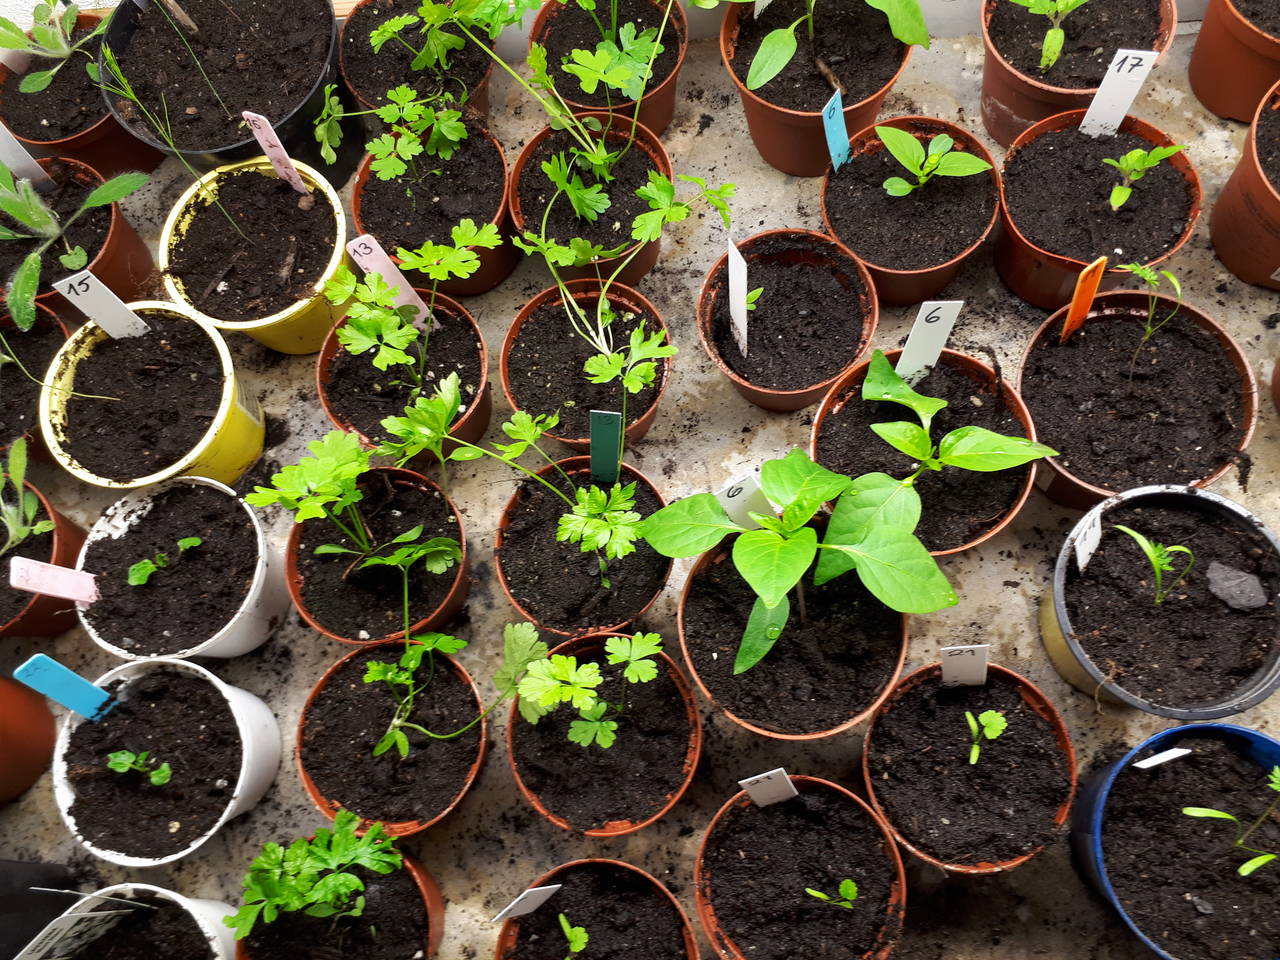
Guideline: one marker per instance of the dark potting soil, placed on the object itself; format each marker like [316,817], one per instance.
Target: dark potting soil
[919,763]
[178,719]
[71,103]
[348,718]
[19,393]
[368,604]
[572,28]
[959,505]
[1177,421]
[1058,193]
[1176,875]
[1194,648]
[89,231]
[808,323]
[1268,145]
[926,228]
[196,595]
[1261,13]
[393,926]
[165,388]
[852,39]
[166,932]
[286,245]
[625,917]
[557,583]
[821,672]
[759,860]
[255,58]
[39,548]
[1093,33]
[371,74]
[631,780]
[544,367]
[362,395]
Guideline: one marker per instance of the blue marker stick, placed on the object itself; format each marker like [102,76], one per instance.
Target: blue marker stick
[46,675]
[837,133]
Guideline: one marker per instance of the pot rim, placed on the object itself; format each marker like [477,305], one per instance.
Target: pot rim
[78,168]
[190,905]
[1269,101]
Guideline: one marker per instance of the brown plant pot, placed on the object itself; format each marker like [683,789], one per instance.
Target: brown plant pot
[1233,64]
[794,141]
[34,437]
[624,298]
[901,287]
[46,616]
[1047,280]
[568,466]
[783,401]
[399,828]
[591,643]
[1061,485]
[721,941]
[849,389]
[658,105]
[27,732]
[1035,699]
[1012,101]
[617,128]
[449,606]
[1245,223]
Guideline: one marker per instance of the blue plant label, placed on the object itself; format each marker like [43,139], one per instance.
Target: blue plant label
[837,133]
[606,445]
[46,675]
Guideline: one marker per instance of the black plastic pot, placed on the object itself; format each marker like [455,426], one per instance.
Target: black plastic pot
[24,912]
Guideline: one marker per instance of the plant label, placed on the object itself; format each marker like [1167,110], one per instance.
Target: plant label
[527,902]
[1119,88]
[97,302]
[1088,538]
[274,150]
[23,166]
[369,256]
[965,666]
[1276,275]
[743,497]
[837,132]
[1082,299]
[606,446]
[46,675]
[1163,757]
[929,334]
[772,786]
[760,8]
[15,61]
[738,311]
[67,935]
[34,576]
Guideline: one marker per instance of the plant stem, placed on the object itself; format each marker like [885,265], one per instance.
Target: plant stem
[525,470]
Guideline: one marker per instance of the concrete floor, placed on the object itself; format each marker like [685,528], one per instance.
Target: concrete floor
[490,848]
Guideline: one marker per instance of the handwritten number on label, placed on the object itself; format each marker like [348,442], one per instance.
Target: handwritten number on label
[1133,63]
[78,288]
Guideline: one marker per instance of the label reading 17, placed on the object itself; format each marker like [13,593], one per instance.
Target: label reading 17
[1116,93]
[1129,62]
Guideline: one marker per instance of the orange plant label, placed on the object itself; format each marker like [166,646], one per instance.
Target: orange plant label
[1082,299]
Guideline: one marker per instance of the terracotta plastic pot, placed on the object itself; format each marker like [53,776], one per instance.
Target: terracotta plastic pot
[1062,486]
[1035,699]
[1046,279]
[658,104]
[449,606]
[1245,224]
[723,944]
[794,141]
[35,446]
[569,466]
[509,935]
[46,616]
[399,828]
[1234,63]
[914,286]
[1012,101]
[27,732]
[625,300]
[839,258]
[618,130]
[849,390]
[594,643]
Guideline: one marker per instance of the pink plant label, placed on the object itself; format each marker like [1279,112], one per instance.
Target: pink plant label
[97,302]
[738,295]
[34,576]
[368,254]
[274,150]
[928,337]
[1119,88]
[15,156]
[772,786]
[965,666]
[527,902]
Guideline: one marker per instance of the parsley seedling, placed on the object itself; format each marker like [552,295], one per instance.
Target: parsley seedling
[1055,36]
[847,895]
[989,724]
[141,572]
[1161,559]
[940,160]
[1133,166]
[1242,832]
[575,938]
[124,761]
[1152,278]
[18,505]
[51,39]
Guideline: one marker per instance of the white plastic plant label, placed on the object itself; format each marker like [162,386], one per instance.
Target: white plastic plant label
[15,156]
[1276,275]
[929,334]
[965,666]
[369,256]
[738,295]
[96,301]
[760,7]
[772,786]
[34,576]
[527,902]
[1088,539]
[15,61]
[67,935]
[836,131]
[743,497]
[1163,757]
[1119,88]
[274,150]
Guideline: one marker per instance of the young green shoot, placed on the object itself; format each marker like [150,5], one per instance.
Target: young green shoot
[1153,278]
[575,938]
[753,297]
[1261,857]
[141,572]
[939,160]
[19,506]
[50,39]
[1055,36]
[418,124]
[848,893]
[1161,559]
[125,761]
[988,725]
[1133,166]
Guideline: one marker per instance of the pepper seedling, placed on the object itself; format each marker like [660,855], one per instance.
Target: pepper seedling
[1242,832]
[848,893]
[989,724]
[124,761]
[18,505]
[1055,36]
[1161,559]
[140,573]
[575,938]
[50,39]
[1133,166]
[941,159]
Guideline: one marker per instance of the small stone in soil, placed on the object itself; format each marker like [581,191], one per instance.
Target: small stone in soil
[1237,589]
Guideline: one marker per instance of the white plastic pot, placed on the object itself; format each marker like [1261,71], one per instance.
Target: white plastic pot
[264,605]
[259,761]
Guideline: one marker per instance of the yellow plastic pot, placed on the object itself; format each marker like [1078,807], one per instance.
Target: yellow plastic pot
[299,328]
[229,447]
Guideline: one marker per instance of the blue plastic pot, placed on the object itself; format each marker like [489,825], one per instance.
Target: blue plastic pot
[1087,817]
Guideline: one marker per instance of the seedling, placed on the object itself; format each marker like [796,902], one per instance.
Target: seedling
[124,761]
[575,938]
[1133,166]
[848,893]
[989,724]
[140,573]
[940,160]
[1243,833]
[1152,278]
[1056,11]
[18,505]
[51,39]
[417,126]
[1161,559]
[753,297]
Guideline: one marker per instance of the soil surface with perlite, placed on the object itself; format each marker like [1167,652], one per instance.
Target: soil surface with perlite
[920,771]
[71,186]
[158,930]
[179,719]
[1268,145]
[1263,14]
[348,717]
[1213,633]
[625,917]
[1176,875]
[760,860]
[199,590]
[1058,192]
[1093,32]
[71,103]
[1177,420]
[34,349]
[825,668]
[959,505]
[38,547]
[809,323]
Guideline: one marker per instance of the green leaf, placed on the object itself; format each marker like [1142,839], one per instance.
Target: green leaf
[904,147]
[776,51]
[560,679]
[764,627]
[874,500]
[993,723]
[592,728]
[21,295]
[115,189]
[906,20]
[796,477]
[979,449]
[911,438]
[35,82]
[771,564]
[1051,48]
[848,890]
[883,383]
[74,259]
[636,652]
[688,527]
[140,573]
[1209,813]
[897,187]
[1249,866]
[895,566]
[161,775]
[961,164]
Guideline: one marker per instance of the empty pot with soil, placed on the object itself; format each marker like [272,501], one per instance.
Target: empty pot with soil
[1245,225]
[1237,56]
[32,350]
[1164,599]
